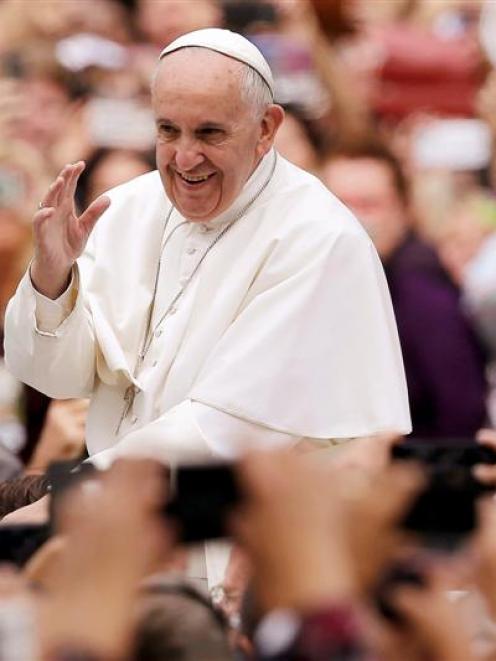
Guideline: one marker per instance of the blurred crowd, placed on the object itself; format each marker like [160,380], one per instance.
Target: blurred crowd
[392,104]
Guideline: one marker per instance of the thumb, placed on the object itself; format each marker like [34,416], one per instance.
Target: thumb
[89,218]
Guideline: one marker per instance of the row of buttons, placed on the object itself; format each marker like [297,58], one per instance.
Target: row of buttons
[190,251]
[159,331]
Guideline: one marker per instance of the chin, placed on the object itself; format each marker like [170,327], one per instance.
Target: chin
[196,212]
[195,216]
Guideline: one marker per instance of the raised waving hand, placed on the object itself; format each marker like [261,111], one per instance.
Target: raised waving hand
[60,235]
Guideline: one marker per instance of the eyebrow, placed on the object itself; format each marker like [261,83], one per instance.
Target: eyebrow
[163,120]
[211,125]
[204,125]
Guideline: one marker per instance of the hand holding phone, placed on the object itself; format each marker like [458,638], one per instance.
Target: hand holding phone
[444,513]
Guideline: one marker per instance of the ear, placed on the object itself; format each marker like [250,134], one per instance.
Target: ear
[270,122]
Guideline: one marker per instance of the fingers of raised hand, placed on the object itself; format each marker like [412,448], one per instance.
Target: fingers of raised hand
[52,196]
[70,175]
[73,175]
[89,218]
[61,192]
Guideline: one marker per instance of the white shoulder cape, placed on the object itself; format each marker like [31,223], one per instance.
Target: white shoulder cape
[291,326]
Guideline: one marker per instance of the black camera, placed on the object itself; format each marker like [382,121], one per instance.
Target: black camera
[18,542]
[203,497]
[444,513]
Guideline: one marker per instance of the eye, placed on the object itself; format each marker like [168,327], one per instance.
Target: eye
[167,130]
[210,133]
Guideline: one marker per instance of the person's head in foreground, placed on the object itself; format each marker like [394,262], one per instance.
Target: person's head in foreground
[176,622]
[212,97]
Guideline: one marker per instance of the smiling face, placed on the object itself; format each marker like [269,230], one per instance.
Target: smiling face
[209,139]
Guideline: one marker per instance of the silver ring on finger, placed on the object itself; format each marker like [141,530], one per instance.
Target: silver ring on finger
[41,205]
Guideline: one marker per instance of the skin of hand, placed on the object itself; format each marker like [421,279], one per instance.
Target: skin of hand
[368,453]
[292,519]
[434,624]
[41,569]
[63,434]
[486,473]
[336,520]
[374,495]
[113,536]
[36,512]
[60,235]
[484,546]
[374,504]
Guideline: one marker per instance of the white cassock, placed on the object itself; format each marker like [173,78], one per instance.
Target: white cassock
[285,333]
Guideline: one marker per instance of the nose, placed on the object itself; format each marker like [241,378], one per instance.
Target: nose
[188,154]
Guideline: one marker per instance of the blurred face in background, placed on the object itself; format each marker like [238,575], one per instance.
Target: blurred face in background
[15,236]
[16,206]
[161,21]
[292,143]
[106,18]
[367,187]
[465,232]
[23,181]
[51,18]
[115,168]
[46,110]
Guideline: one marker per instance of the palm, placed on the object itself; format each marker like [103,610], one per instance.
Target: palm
[60,235]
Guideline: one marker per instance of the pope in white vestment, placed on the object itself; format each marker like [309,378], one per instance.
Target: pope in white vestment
[285,333]
[271,324]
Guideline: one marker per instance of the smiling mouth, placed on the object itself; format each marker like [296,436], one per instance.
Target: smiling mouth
[194,180]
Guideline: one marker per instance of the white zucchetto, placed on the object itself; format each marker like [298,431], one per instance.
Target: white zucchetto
[228,43]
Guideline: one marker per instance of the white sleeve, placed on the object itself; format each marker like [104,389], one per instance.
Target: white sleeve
[56,358]
[51,313]
[192,432]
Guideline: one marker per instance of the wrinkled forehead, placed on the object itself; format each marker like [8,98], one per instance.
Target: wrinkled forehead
[202,62]
[194,72]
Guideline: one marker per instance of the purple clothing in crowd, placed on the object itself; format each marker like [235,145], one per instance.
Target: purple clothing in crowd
[444,362]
